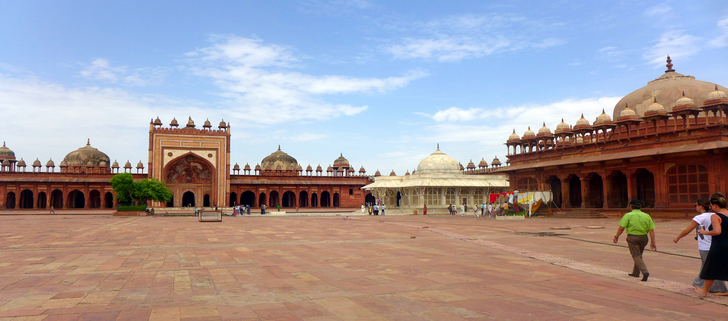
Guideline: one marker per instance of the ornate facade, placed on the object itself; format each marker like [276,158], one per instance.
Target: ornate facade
[193,162]
[667,145]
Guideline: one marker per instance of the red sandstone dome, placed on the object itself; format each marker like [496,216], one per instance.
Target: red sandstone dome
[6,153]
[279,158]
[341,161]
[86,156]
[666,90]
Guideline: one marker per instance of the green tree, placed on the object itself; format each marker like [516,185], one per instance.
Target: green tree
[123,185]
[151,190]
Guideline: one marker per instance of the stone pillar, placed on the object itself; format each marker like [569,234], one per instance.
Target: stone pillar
[565,195]
[606,184]
[661,198]
[631,185]
[584,191]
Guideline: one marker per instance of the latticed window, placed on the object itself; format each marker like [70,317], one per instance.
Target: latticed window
[687,183]
[526,184]
[432,196]
[450,197]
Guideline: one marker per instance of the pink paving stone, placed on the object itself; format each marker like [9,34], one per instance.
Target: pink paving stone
[280,267]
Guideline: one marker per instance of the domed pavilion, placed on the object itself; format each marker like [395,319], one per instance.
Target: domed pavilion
[664,145]
[437,182]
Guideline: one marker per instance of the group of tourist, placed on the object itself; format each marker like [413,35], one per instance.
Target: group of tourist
[712,243]
[478,210]
[241,210]
[372,209]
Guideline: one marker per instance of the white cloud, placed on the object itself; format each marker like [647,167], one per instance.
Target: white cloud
[660,10]
[257,82]
[675,43]
[722,39]
[100,69]
[61,119]
[471,36]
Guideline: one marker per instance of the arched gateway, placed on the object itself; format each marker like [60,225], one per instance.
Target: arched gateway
[188,177]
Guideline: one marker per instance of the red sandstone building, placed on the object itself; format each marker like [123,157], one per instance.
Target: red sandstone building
[665,144]
[193,162]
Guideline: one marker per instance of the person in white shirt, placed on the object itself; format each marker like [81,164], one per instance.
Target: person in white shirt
[702,221]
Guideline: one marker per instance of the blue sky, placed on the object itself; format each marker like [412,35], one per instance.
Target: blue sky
[380,81]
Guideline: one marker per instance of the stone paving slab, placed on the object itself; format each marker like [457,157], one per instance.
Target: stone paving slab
[69,267]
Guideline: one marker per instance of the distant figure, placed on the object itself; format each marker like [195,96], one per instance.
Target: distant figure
[262,209]
[52,211]
[382,209]
[462,210]
[716,264]
[424,211]
[247,208]
[638,224]
[363,209]
[296,209]
[279,208]
[702,221]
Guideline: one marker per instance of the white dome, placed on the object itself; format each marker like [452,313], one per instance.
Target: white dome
[438,163]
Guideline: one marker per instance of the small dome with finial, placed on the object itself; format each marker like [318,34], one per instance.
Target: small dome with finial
[157,122]
[529,133]
[655,109]
[544,129]
[717,94]
[319,169]
[257,167]
[495,161]
[236,167]
[247,167]
[582,122]
[603,119]
[471,165]
[627,112]
[329,169]
[377,174]
[222,124]
[128,164]
[684,101]
[50,163]
[362,170]
[190,122]
[462,168]
[392,173]
[115,164]
[514,136]
[407,173]
[140,165]
[299,168]
[174,123]
[561,127]
[21,163]
[207,124]
[37,163]
[483,163]
[309,168]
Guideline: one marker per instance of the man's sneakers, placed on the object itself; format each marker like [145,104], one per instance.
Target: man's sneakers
[645,276]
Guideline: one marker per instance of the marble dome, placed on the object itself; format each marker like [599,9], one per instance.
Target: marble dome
[438,163]
[87,156]
[279,158]
[666,90]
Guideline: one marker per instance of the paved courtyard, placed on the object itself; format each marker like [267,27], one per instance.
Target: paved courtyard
[98,267]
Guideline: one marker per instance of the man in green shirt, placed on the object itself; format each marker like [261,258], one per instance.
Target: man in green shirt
[638,224]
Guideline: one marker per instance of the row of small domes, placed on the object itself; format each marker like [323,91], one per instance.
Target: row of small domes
[654,108]
[297,168]
[190,123]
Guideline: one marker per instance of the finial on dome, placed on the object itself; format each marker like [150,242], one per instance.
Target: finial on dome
[654,100]
[603,111]
[669,65]
[544,124]
[88,142]
[279,146]
[438,144]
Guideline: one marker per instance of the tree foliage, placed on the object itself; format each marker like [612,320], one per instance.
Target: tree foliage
[123,185]
[127,190]
[151,190]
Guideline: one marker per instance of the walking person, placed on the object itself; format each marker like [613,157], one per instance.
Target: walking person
[52,211]
[424,211]
[702,222]
[638,224]
[716,263]
[462,210]
[382,209]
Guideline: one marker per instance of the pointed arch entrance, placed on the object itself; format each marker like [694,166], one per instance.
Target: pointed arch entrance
[314,200]
[325,199]
[76,199]
[188,199]
[645,187]
[575,191]
[618,187]
[247,198]
[555,184]
[336,199]
[191,173]
[288,200]
[303,199]
[596,191]
[26,199]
